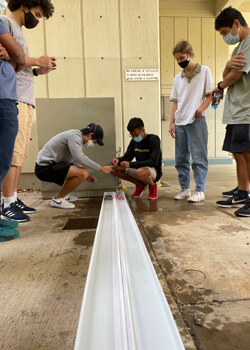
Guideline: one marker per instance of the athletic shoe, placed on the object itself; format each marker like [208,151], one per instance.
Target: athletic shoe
[153,192]
[8,223]
[183,194]
[197,197]
[70,198]
[14,213]
[25,209]
[139,190]
[7,234]
[230,193]
[244,211]
[61,203]
[233,202]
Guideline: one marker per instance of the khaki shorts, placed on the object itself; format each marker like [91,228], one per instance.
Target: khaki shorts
[23,137]
[132,172]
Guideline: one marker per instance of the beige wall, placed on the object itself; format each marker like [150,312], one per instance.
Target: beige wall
[94,41]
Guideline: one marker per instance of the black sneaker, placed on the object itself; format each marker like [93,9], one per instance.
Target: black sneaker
[14,213]
[244,211]
[25,209]
[230,193]
[233,202]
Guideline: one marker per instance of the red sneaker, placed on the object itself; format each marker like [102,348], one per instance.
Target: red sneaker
[139,190]
[153,192]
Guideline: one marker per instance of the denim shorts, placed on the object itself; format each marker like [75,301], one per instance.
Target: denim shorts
[54,172]
[237,138]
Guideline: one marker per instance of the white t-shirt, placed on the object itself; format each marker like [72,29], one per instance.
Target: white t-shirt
[190,93]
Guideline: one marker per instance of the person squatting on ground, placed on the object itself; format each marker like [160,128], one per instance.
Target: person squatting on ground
[23,13]
[147,169]
[55,162]
[191,97]
[8,113]
[236,114]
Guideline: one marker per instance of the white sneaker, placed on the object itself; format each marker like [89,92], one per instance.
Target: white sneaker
[71,198]
[61,203]
[197,197]
[183,194]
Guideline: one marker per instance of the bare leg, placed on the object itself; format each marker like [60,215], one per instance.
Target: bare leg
[73,179]
[18,173]
[8,183]
[119,171]
[242,170]
[246,156]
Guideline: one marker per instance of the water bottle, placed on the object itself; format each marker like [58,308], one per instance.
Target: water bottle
[216,99]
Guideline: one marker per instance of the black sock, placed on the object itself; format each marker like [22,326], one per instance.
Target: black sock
[242,194]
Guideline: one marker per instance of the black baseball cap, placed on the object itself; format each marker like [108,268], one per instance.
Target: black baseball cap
[98,132]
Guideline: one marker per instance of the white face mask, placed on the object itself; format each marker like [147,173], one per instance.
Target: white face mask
[89,144]
[3,5]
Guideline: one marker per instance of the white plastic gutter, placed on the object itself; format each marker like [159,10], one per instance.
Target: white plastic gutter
[124,307]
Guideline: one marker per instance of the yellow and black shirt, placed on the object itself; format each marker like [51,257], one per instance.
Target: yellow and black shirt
[147,153]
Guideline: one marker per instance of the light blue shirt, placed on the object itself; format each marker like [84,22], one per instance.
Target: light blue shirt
[7,74]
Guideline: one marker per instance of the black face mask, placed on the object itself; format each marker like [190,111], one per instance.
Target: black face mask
[183,64]
[30,20]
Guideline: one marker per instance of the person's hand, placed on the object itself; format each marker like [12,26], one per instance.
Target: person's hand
[91,179]
[3,53]
[125,164]
[198,113]
[172,130]
[115,161]
[46,62]
[215,90]
[41,71]
[106,169]
[236,62]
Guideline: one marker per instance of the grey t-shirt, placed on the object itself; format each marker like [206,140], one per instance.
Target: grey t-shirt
[66,147]
[237,103]
[25,80]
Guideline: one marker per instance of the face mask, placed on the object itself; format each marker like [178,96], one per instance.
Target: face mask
[3,5]
[89,144]
[183,64]
[138,138]
[30,20]
[230,39]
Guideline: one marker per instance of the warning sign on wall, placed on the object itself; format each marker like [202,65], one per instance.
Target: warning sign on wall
[141,74]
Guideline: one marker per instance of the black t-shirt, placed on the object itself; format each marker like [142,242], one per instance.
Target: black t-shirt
[147,153]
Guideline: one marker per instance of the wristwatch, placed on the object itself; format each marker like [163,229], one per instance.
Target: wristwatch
[219,87]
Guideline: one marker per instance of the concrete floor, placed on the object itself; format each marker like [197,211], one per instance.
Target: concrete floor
[200,253]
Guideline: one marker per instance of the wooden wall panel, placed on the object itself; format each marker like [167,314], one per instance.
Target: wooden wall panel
[208,44]
[167,142]
[194,37]
[180,33]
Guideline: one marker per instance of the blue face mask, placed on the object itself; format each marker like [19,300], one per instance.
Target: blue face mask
[230,39]
[138,138]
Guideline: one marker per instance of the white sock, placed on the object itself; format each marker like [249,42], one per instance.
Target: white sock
[15,196]
[7,201]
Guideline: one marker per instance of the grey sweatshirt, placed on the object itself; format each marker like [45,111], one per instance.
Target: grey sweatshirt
[65,147]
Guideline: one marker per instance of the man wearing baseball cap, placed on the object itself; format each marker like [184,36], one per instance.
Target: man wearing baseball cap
[56,162]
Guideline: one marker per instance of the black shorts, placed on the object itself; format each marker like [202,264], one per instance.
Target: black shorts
[55,172]
[237,139]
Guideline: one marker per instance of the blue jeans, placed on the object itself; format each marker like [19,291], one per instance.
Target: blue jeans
[8,132]
[192,139]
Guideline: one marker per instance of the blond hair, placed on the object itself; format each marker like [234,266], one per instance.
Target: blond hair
[183,47]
